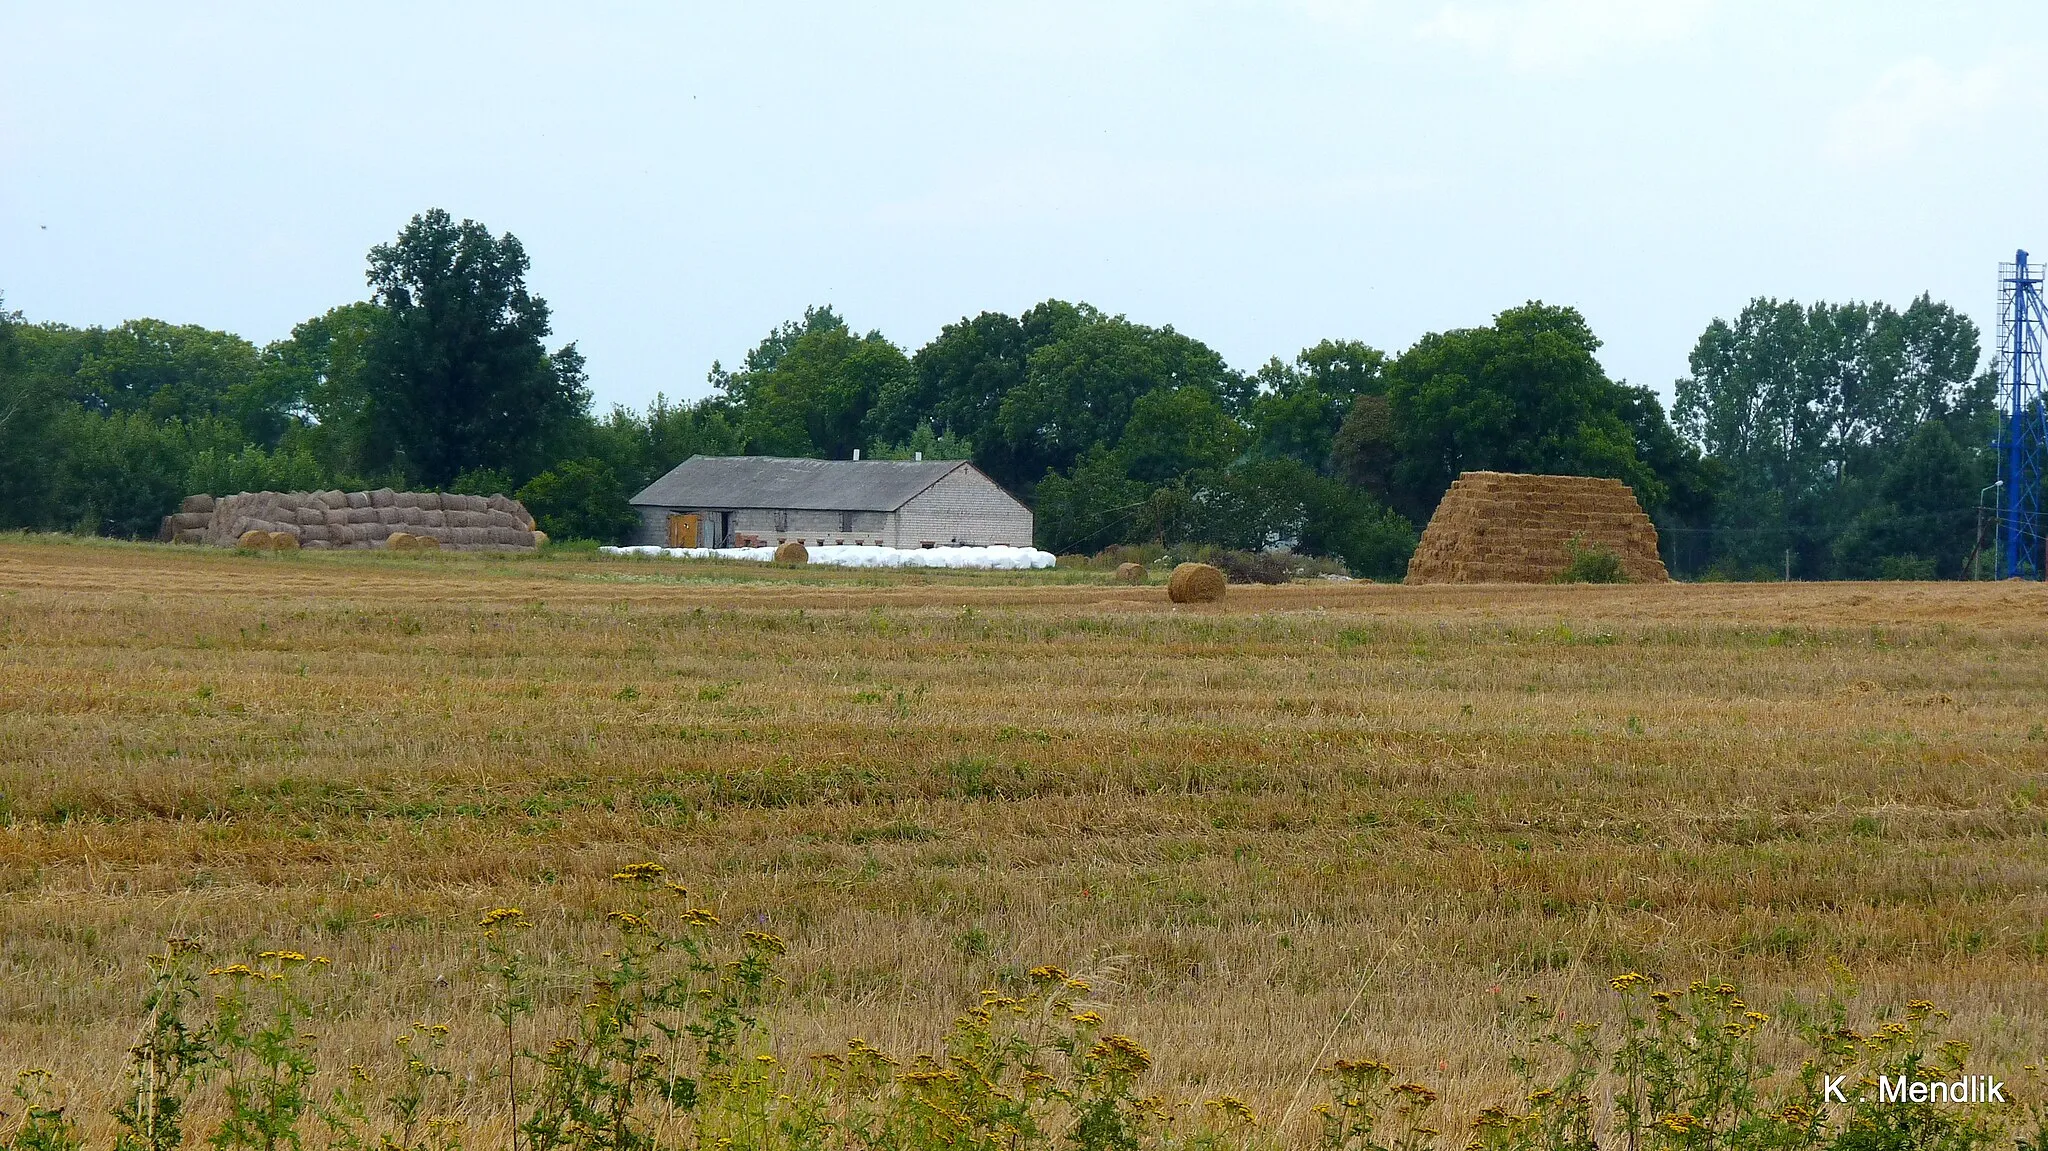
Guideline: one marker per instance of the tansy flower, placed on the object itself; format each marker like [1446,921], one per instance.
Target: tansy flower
[700,917]
[1088,1019]
[497,915]
[1047,973]
[1417,1091]
[1233,1107]
[640,872]
[1121,1050]
[767,942]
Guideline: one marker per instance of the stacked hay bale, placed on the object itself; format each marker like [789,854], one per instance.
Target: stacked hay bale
[189,523]
[1499,527]
[333,519]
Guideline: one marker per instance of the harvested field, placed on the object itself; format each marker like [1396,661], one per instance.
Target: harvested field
[1233,816]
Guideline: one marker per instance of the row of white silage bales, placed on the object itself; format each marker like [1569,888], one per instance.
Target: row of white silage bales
[993,558]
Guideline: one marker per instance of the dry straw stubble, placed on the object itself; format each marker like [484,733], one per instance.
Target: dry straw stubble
[1474,793]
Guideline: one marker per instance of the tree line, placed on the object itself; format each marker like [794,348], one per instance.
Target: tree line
[1834,440]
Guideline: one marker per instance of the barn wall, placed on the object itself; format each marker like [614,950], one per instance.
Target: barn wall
[965,507]
[653,527]
[808,526]
[811,526]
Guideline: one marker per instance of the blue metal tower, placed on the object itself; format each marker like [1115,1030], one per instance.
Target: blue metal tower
[2023,433]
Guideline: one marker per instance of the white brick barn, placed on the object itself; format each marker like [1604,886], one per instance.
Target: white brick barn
[742,501]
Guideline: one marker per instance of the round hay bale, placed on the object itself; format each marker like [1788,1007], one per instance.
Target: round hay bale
[1195,583]
[540,538]
[283,542]
[426,543]
[358,500]
[402,542]
[792,552]
[196,505]
[1130,573]
[255,540]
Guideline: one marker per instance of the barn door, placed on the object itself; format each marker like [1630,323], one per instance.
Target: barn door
[683,531]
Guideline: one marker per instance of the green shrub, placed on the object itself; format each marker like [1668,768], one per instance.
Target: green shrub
[580,499]
[1592,564]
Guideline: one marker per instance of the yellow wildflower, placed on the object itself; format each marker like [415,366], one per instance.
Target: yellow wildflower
[639,872]
[1232,1107]
[766,942]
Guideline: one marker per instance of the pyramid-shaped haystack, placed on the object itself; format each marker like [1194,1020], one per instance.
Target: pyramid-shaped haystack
[1499,527]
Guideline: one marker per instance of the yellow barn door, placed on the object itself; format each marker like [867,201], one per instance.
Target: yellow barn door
[682,531]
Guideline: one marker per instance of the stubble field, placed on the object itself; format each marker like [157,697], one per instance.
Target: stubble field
[1238,820]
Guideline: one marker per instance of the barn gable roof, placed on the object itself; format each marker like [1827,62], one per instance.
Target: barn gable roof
[795,484]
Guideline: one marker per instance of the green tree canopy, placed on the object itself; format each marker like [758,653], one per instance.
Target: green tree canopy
[1301,406]
[1803,408]
[456,375]
[810,391]
[580,499]
[1524,394]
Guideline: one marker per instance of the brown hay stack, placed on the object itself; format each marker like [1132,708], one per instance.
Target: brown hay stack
[792,552]
[283,542]
[254,540]
[1500,527]
[426,543]
[402,542]
[1130,573]
[1195,583]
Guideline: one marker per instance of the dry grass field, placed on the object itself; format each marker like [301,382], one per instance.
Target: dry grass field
[1236,818]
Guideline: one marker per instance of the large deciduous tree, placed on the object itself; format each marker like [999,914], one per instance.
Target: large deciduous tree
[457,376]
[1301,406]
[1805,409]
[1524,394]
[811,390]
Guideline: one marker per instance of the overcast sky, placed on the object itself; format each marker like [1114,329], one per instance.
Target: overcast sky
[1258,175]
